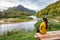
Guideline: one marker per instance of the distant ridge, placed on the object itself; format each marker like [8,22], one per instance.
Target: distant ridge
[21,8]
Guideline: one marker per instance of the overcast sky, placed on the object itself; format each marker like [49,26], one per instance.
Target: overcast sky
[31,4]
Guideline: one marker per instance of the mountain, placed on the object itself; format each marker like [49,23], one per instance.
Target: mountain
[21,8]
[17,11]
[52,10]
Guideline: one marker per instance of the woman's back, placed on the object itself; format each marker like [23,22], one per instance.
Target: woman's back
[43,29]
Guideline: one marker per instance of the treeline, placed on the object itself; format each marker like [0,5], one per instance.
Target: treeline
[13,14]
[51,10]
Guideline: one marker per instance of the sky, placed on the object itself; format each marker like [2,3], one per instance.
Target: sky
[30,4]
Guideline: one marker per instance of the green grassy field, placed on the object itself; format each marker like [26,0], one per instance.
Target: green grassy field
[18,36]
[21,35]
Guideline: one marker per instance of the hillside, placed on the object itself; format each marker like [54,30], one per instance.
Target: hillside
[17,11]
[21,8]
[51,11]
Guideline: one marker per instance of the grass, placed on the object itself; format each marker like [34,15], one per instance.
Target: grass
[52,25]
[18,36]
[22,19]
[19,19]
[22,35]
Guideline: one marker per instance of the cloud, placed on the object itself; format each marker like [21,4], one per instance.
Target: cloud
[36,4]
[31,4]
[6,3]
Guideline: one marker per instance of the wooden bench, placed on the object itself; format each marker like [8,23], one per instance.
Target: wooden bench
[52,35]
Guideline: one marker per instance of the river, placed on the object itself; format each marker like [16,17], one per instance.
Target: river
[22,25]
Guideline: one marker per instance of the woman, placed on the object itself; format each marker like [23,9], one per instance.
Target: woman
[43,28]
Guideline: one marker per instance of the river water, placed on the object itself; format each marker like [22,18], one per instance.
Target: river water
[22,25]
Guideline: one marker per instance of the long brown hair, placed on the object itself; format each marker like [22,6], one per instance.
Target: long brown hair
[46,21]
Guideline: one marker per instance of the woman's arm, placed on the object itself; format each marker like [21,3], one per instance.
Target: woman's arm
[41,26]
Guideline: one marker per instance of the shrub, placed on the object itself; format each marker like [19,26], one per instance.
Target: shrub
[51,25]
